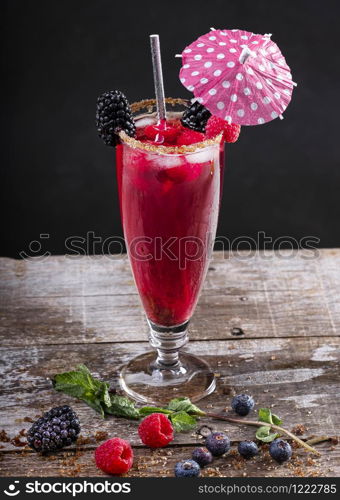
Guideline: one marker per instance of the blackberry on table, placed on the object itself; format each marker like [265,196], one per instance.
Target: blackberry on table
[57,428]
[113,114]
[196,117]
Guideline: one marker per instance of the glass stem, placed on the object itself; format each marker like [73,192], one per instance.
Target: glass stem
[167,340]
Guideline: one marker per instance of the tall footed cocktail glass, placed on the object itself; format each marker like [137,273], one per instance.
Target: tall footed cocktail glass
[169,199]
[169,178]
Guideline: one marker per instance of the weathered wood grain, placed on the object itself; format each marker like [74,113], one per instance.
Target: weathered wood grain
[297,377]
[160,463]
[93,299]
[99,275]
[59,312]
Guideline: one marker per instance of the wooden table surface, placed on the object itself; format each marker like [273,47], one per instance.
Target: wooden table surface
[62,311]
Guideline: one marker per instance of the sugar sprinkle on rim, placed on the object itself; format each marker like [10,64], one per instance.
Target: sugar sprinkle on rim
[149,105]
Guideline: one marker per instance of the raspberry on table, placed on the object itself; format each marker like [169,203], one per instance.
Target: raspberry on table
[242,404]
[202,456]
[156,430]
[248,449]
[187,468]
[114,456]
[217,443]
[57,428]
[280,450]
[216,125]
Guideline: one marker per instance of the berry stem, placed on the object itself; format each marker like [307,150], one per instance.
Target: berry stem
[262,424]
[318,439]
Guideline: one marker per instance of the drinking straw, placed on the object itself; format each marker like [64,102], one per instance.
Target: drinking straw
[158,76]
[246,52]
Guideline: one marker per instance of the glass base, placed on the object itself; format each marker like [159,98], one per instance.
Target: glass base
[147,381]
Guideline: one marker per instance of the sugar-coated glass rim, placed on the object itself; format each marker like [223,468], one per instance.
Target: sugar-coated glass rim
[135,143]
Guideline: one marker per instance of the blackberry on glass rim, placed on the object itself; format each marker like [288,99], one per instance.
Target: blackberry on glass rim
[113,114]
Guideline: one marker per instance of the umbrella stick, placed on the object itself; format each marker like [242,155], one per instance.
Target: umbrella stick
[158,76]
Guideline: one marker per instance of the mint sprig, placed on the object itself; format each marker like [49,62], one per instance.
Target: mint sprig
[148,410]
[265,415]
[81,384]
[185,405]
[182,421]
[122,407]
[263,433]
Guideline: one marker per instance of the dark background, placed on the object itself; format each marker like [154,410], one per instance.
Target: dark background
[281,178]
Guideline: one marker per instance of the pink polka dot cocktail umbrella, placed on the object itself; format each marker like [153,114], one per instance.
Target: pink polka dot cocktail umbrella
[238,76]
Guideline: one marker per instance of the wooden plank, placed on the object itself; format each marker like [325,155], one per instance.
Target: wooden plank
[93,299]
[297,377]
[160,463]
[102,274]
[91,319]
[59,312]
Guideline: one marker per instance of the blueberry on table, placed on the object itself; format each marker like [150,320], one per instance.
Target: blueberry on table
[248,449]
[187,468]
[217,443]
[202,456]
[242,404]
[280,450]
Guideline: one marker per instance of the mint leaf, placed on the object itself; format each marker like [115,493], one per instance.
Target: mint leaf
[276,420]
[184,404]
[121,406]
[148,410]
[264,434]
[104,395]
[182,421]
[265,415]
[82,385]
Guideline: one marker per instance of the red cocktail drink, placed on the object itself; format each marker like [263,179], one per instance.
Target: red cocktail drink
[169,205]
[169,190]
